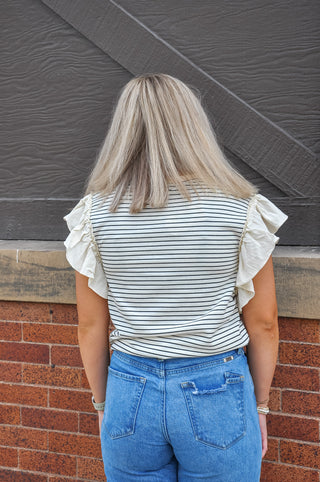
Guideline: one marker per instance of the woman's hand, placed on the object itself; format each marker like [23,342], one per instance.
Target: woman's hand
[264,433]
[100,415]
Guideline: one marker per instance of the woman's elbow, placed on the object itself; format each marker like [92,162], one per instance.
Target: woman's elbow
[262,321]
[269,321]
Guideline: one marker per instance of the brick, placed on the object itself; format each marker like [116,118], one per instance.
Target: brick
[299,354]
[272,472]
[9,414]
[273,450]
[66,356]
[23,437]
[91,469]
[75,444]
[48,375]
[19,476]
[296,377]
[27,352]
[19,311]
[297,329]
[49,419]
[66,314]
[11,372]
[71,400]
[23,394]
[300,454]
[48,333]
[89,423]
[84,380]
[275,399]
[301,403]
[8,457]
[293,427]
[10,331]
[48,462]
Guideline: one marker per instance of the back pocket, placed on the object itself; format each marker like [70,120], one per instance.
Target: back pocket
[123,398]
[217,412]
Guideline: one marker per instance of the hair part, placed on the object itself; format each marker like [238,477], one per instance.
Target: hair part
[160,135]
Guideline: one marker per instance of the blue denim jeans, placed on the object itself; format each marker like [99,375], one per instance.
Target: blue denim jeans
[181,419]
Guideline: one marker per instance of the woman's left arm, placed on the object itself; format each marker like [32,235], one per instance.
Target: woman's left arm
[93,317]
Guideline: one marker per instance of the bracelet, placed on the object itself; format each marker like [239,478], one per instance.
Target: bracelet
[263,402]
[263,410]
[98,406]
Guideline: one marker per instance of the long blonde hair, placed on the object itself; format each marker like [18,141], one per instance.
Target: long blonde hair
[160,135]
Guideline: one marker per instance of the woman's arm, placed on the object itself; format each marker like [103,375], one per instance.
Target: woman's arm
[93,316]
[260,317]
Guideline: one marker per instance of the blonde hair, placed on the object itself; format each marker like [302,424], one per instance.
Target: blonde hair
[160,135]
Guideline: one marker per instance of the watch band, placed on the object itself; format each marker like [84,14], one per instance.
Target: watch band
[98,406]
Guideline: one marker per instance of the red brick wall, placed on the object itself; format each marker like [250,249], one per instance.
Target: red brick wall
[48,427]
[49,430]
[293,426]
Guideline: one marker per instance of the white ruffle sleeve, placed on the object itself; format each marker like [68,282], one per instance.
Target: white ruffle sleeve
[81,250]
[257,243]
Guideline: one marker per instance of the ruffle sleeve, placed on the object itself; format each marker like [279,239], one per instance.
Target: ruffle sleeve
[257,243]
[81,250]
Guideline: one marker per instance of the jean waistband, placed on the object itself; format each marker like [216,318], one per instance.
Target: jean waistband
[177,364]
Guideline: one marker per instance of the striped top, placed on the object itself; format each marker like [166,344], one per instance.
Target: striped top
[172,275]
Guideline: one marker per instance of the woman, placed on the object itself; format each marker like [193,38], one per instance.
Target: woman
[175,244]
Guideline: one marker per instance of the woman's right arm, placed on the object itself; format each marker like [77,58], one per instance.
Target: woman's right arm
[260,316]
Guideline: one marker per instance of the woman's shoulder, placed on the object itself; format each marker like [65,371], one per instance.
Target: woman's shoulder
[82,251]
[79,213]
[264,213]
[257,243]
[87,206]
[223,201]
